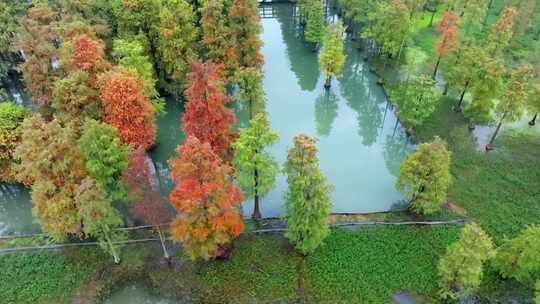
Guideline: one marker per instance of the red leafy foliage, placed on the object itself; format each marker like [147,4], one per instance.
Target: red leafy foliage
[87,53]
[206,200]
[128,109]
[139,181]
[206,117]
[448,29]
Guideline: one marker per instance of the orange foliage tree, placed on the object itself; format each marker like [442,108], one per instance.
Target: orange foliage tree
[128,109]
[206,200]
[245,28]
[448,37]
[206,116]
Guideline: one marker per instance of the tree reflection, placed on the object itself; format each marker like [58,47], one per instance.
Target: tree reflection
[357,89]
[326,106]
[302,59]
[396,148]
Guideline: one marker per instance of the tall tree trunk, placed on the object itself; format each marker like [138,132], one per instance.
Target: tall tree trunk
[432,17]
[436,67]
[115,254]
[533,120]
[458,108]
[162,239]
[488,147]
[401,49]
[256,208]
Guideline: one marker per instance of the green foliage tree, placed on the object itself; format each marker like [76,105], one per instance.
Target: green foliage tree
[257,169]
[251,89]
[390,26]
[461,268]
[425,177]
[10,12]
[519,258]
[74,99]
[99,217]
[414,60]
[307,198]
[332,57]
[315,26]
[502,31]
[245,29]
[514,99]
[130,54]
[417,100]
[537,297]
[106,157]
[216,37]
[11,118]
[177,43]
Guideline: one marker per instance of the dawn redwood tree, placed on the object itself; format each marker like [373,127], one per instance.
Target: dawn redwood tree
[206,200]
[216,38]
[10,15]
[130,54]
[74,98]
[503,31]
[461,267]
[473,17]
[11,118]
[145,198]
[99,217]
[519,258]
[206,116]
[417,100]
[245,28]
[177,43]
[514,99]
[53,165]
[256,168]
[391,22]
[35,39]
[487,86]
[448,30]
[250,89]
[425,176]
[533,105]
[315,26]
[128,109]
[332,57]
[106,158]
[462,65]
[307,198]
[414,61]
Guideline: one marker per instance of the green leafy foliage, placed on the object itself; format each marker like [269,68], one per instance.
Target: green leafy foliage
[131,55]
[390,26]
[332,57]
[11,117]
[416,100]
[106,157]
[251,89]
[461,268]
[257,169]
[425,177]
[519,258]
[537,297]
[307,198]
[315,25]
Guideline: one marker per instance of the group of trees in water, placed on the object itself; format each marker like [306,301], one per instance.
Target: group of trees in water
[96,71]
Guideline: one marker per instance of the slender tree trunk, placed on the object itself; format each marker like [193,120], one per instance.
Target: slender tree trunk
[401,48]
[256,208]
[328,82]
[533,120]
[162,239]
[436,67]
[432,17]
[458,108]
[490,145]
[113,249]
[445,92]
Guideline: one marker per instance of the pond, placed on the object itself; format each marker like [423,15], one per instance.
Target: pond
[361,144]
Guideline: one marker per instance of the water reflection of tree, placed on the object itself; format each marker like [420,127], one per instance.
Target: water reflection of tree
[302,59]
[326,106]
[357,89]
[396,148]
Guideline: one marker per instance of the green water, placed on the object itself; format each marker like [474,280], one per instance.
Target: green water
[360,143]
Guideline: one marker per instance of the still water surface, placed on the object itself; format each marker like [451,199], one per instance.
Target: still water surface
[361,145]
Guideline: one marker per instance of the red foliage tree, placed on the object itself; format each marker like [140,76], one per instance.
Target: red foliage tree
[245,28]
[147,204]
[206,200]
[87,54]
[448,37]
[128,109]
[206,117]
